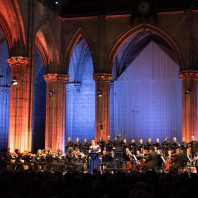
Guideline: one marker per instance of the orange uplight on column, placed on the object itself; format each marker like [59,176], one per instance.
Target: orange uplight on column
[55,111]
[189,103]
[20,128]
[102,104]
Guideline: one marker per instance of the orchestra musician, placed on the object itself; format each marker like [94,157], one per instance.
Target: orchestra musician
[151,160]
[166,146]
[8,159]
[18,160]
[179,160]
[71,160]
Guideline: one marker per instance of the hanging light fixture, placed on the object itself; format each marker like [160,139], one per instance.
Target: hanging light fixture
[51,93]
[14,81]
[187,91]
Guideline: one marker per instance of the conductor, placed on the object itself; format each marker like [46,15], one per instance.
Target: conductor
[118,144]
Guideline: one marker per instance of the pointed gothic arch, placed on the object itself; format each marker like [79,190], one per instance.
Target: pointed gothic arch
[140,28]
[46,42]
[80,33]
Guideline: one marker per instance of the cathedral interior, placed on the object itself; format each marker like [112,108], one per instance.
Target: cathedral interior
[90,68]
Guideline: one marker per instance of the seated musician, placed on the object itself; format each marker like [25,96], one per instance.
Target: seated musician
[18,159]
[175,144]
[151,160]
[79,156]
[8,159]
[178,160]
[107,159]
[27,159]
[71,160]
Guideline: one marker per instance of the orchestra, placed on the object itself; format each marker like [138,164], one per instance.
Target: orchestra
[166,156]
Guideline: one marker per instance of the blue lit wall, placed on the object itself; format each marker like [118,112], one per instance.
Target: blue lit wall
[148,97]
[39,105]
[5,70]
[80,95]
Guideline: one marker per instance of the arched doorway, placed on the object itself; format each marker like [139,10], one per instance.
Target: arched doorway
[147,89]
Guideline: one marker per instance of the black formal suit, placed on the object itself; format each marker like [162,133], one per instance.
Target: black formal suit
[140,147]
[174,146]
[148,145]
[118,143]
[85,147]
[151,161]
[158,146]
[184,146]
[70,160]
[68,144]
[77,145]
[101,143]
[166,147]
[193,145]
[179,160]
[109,146]
[132,148]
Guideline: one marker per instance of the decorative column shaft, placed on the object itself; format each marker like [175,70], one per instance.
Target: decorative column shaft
[189,103]
[20,122]
[55,111]
[102,104]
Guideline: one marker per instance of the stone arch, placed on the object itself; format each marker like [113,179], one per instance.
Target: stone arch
[46,43]
[80,33]
[140,28]
[11,22]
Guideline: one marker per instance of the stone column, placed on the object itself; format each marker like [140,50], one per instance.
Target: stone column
[20,121]
[102,104]
[189,103]
[55,111]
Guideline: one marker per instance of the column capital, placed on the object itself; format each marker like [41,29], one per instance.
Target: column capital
[56,77]
[105,77]
[188,74]
[18,60]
